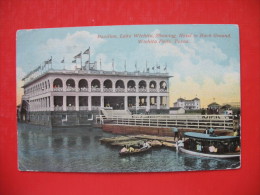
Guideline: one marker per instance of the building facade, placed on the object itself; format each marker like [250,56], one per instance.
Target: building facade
[193,104]
[62,91]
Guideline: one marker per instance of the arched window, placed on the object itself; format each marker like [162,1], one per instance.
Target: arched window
[83,85]
[120,84]
[152,85]
[163,85]
[70,83]
[49,84]
[95,83]
[57,83]
[142,84]
[131,84]
[108,84]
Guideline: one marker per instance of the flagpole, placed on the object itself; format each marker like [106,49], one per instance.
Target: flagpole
[81,60]
[51,62]
[89,58]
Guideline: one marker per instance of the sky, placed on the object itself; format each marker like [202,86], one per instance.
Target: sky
[203,60]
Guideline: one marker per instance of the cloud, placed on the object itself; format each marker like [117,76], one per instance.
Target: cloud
[70,46]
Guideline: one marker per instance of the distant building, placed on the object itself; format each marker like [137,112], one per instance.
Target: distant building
[213,108]
[177,110]
[193,104]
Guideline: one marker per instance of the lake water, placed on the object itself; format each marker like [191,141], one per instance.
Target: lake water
[79,150]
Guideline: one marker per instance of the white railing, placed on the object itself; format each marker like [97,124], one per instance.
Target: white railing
[58,108]
[131,90]
[142,90]
[218,122]
[120,89]
[108,89]
[57,89]
[83,108]
[96,89]
[71,108]
[153,90]
[163,90]
[83,89]
[70,89]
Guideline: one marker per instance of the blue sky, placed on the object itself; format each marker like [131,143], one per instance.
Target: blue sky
[194,65]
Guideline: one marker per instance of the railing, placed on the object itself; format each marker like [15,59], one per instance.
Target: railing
[83,89]
[120,89]
[153,90]
[163,90]
[58,108]
[57,89]
[71,108]
[96,89]
[218,122]
[83,108]
[70,89]
[108,89]
[142,90]
[131,90]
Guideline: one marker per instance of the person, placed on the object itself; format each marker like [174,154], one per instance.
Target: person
[124,149]
[131,149]
[235,133]
[146,145]
[206,131]
[211,131]
[176,133]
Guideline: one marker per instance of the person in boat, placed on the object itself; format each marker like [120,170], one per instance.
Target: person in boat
[176,133]
[206,131]
[146,145]
[124,149]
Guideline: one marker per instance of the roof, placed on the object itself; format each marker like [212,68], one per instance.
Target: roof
[196,98]
[213,104]
[209,137]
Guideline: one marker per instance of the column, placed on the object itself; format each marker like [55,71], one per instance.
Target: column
[167,102]
[64,103]
[148,102]
[77,102]
[137,102]
[89,102]
[126,102]
[102,100]
[158,102]
[52,103]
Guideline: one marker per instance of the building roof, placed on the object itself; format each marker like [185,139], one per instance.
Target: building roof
[213,104]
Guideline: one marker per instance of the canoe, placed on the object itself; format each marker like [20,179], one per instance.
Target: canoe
[136,151]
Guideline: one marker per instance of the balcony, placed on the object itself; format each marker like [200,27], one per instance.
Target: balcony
[108,90]
[163,90]
[83,89]
[71,108]
[70,89]
[120,90]
[83,108]
[153,90]
[95,89]
[131,90]
[142,90]
[57,89]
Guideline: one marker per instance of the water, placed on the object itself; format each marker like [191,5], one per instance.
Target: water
[79,150]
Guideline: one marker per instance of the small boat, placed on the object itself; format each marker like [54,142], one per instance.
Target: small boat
[135,151]
[207,145]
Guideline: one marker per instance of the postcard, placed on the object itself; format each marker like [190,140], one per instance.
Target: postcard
[134,98]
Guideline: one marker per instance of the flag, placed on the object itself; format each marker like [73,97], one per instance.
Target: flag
[78,56]
[38,68]
[87,51]
[73,61]
[158,67]
[87,62]
[62,61]
[153,68]
[165,68]
[148,69]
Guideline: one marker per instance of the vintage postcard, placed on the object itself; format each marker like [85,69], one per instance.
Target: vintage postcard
[135,98]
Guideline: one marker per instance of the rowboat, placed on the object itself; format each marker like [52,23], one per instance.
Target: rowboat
[135,151]
[206,145]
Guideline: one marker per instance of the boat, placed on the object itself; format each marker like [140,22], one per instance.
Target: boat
[207,145]
[135,151]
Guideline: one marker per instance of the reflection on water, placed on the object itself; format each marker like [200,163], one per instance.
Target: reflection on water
[79,150]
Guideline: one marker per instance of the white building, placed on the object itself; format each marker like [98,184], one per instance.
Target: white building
[93,90]
[193,104]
